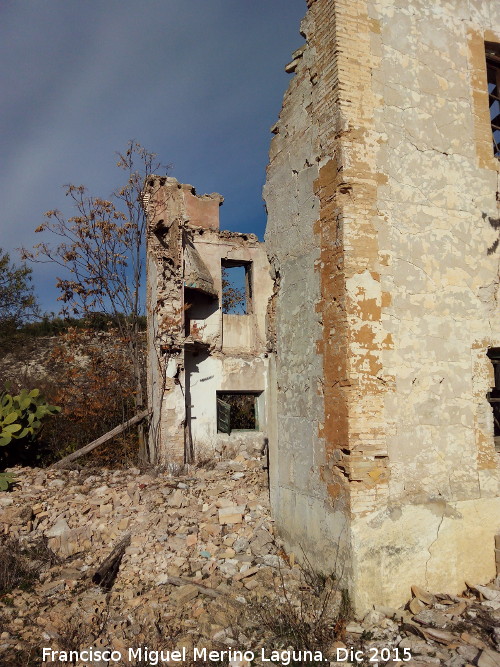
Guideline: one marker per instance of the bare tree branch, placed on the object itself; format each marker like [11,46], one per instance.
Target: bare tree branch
[101,249]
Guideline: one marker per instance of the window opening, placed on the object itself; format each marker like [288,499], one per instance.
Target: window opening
[493,73]
[198,307]
[236,287]
[237,412]
[494,394]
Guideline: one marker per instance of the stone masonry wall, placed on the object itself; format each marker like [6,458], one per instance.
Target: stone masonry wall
[436,196]
[382,200]
[309,496]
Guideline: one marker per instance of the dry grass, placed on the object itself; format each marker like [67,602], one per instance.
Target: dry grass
[21,563]
[310,617]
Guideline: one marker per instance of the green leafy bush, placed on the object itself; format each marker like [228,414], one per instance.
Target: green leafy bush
[6,481]
[21,416]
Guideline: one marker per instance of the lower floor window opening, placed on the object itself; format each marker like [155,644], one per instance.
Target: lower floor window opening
[237,411]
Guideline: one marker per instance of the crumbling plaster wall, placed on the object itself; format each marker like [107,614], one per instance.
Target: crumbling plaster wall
[238,359]
[380,193]
[211,373]
[249,331]
[164,310]
[310,515]
[193,349]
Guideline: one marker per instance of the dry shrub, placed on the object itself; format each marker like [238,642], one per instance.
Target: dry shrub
[21,563]
[89,374]
[92,380]
[27,656]
[308,615]
[15,570]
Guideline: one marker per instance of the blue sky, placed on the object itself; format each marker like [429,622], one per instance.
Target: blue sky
[200,82]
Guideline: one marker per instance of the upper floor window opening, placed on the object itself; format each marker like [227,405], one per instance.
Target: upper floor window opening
[493,74]
[236,287]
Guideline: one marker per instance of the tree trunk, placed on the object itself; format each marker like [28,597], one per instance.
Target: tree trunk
[139,394]
[139,407]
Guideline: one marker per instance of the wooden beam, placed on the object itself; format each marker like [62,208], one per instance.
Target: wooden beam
[182,581]
[104,438]
[105,574]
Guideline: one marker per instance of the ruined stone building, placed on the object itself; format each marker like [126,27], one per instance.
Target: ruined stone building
[379,377]
[208,369]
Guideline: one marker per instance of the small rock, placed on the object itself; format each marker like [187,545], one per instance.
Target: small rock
[260,541]
[191,540]
[455,609]
[231,514]
[422,595]
[176,499]
[271,560]
[441,636]
[488,658]
[473,641]
[354,628]
[58,529]
[432,618]
[487,592]
[491,604]
[229,568]
[56,484]
[240,545]
[416,646]
[416,606]
[250,571]
[468,652]
[52,587]
[373,618]
[185,593]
